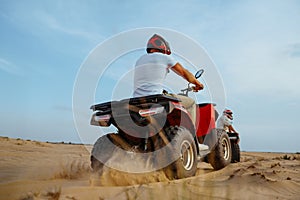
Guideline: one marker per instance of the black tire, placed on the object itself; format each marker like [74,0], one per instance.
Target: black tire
[236,153]
[184,151]
[96,165]
[220,156]
[101,152]
[109,149]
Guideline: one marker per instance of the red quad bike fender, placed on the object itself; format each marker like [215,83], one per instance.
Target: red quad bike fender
[206,124]
[206,119]
[179,116]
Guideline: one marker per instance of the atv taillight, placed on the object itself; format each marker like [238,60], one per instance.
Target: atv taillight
[102,118]
[151,111]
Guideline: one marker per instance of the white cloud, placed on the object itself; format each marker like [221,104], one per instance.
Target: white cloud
[53,23]
[45,22]
[263,69]
[259,51]
[9,67]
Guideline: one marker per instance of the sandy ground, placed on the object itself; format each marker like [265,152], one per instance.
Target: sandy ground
[37,170]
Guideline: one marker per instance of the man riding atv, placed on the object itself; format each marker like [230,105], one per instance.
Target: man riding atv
[152,68]
[225,122]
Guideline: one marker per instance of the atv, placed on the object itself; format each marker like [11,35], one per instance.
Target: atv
[159,130]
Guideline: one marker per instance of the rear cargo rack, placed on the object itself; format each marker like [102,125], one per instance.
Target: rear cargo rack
[135,101]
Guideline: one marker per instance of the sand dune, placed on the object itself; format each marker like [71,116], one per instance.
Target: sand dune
[37,170]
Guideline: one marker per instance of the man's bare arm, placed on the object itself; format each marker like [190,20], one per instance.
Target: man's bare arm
[181,71]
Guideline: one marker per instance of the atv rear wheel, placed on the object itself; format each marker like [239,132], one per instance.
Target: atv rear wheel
[183,150]
[101,152]
[221,155]
[236,153]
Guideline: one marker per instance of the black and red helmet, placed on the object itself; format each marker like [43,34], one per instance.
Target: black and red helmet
[159,43]
[228,113]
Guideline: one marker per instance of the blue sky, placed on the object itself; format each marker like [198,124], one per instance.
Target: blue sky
[254,44]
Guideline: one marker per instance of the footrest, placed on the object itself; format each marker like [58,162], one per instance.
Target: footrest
[203,150]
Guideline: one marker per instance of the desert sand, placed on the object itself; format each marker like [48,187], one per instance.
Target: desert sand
[39,170]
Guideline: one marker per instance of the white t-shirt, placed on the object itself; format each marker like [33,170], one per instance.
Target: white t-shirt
[223,122]
[150,73]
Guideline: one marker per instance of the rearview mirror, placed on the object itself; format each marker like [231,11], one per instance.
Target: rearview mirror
[199,73]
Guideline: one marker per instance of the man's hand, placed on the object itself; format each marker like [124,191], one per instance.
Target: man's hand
[198,86]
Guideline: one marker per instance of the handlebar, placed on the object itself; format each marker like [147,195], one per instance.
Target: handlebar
[189,89]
